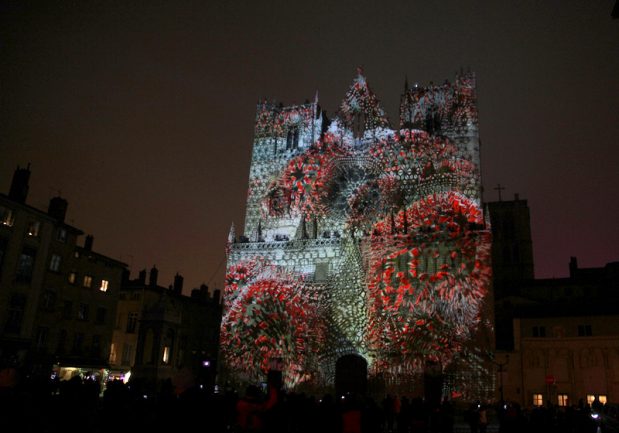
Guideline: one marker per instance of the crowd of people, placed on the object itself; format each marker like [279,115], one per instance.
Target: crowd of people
[80,405]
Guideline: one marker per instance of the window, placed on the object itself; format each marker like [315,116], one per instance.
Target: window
[41,338]
[101,313]
[61,235]
[62,341]
[82,312]
[87,281]
[78,342]
[6,216]
[17,305]
[168,346]
[538,400]
[127,354]
[3,246]
[132,321]
[48,301]
[562,400]
[104,285]
[96,346]
[25,265]
[72,277]
[67,310]
[584,331]
[33,228]
[602,399]
[539,331]
[112,354]
[54,263]
[292,138]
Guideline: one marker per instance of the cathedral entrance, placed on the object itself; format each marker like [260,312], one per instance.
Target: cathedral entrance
[351,375]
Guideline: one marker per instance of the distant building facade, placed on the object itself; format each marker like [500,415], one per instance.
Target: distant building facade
[57,299]
[565,339]
[161,334]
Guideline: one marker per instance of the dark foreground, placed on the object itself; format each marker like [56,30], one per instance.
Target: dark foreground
[79,407]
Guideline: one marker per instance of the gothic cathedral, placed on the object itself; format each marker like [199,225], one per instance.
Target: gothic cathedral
[365,248]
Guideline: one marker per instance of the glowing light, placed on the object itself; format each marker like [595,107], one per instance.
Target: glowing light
[104,285]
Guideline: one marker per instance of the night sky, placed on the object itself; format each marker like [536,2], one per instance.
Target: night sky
[141,114]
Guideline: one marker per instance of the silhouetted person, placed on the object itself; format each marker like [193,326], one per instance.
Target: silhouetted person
[250,409]
[327,413]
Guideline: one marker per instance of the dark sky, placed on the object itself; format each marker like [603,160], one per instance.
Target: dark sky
[141,113]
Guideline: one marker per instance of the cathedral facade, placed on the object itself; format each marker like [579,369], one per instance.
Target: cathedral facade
[363,245]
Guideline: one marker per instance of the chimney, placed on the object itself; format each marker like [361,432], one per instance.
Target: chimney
[573,267]
[58,208]
[216,296]
[178,284]
[142,276]
[19,185]
[88,242]
[125,276]
[153,276]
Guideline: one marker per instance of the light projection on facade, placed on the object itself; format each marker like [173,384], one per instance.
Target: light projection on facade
[360,239]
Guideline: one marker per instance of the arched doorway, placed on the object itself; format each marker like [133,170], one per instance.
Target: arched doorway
[351,374]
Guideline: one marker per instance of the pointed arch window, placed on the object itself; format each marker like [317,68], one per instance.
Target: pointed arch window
[358,125]
[292,138]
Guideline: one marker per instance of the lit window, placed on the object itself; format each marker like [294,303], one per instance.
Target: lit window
[54,264]
[72,277]
[104,284]
[112,354]
[87,281]
[538,400]
[166,354]
[6,216]
[562,400]
[33,228]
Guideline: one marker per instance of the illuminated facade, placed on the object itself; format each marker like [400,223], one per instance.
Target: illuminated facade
[360,240]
